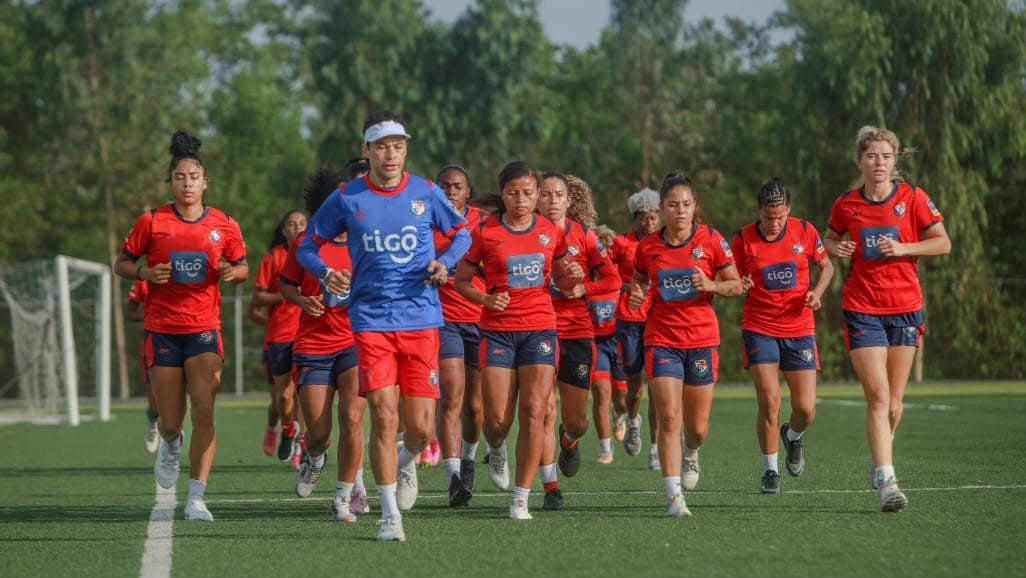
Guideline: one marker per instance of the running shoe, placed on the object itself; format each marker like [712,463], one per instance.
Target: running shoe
[406,487]
[391,530]
[569,457]
[770,482]
[794,460]
[165,470]
[459,495]
[151,441]
[435,453]
[518,509]
[286,445]
[467,474]
[270,440]
[553,500]
[604,459]
[308,474]
[677,508]
[196,509]
[653,458]
[689,472]
[619,426]
[632,439]
[341,512]
[498,471]
[358,502]
[892,499]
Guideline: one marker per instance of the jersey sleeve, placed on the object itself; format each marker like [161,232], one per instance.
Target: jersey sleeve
[600,268]
[723,257]
[235,246]
[137,242]
[641,259]
[265,273]
[926,213]
[326,224]
[838,223]
[452,225]
[813,244]
[476,250]
[291,271]
[737,246]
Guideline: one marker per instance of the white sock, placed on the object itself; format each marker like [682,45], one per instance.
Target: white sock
[636,420]
[605,446]
[769,462]
[343,490]
[405,457]
[519,492]
[389,509]
[672,486]
[197,489]
[793,435]
[358,486]
[688,452]
[654,450]
[318,461]
[452,468]
[548,473]
[468,451]
[883,473]
[174,445]
[499,451]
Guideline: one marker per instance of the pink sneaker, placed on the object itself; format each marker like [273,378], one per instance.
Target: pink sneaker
[435,452]
[423,459]
[270,440]
[297,453]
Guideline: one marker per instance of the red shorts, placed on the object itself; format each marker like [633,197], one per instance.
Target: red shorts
[409,358]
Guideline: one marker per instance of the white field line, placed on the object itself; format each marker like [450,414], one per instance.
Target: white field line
[156,558]
[854,403]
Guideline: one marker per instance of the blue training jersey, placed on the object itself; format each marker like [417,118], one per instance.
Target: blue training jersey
[390,240]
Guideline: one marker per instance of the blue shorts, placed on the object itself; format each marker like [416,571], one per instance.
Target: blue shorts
[172,350]
[692,366]
[864,330]
[607,359]
[277,360]
[630,337]
[576,358]
[323,369]
[790,353]
[512,349]
[459,340]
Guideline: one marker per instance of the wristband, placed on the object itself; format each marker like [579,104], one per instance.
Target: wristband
[138,273]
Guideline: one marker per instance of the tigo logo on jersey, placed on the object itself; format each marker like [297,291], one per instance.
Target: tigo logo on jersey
[899,209]
[675,284]
[525,271]
[417,208]
[543,239]
[697,253]
[780,276]
[188,267]
[545,347]
[400,247]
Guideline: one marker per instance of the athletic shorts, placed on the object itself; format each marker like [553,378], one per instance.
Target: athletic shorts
[607,363]
[630,339]
[323,369]
[459,341]
[791,354]
[277,360]
[576,358]
[512,349]
[864,330]
[171,350]
[692,366]
[407,358]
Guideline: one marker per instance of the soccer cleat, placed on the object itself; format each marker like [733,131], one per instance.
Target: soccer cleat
[518,510]
[569,457]
[794,460]
[498,471]
[151,441]
[286,446]
[891,498]
[165,470]
[270,440]
[605,459]
[677,508]
[196,509]
[553,500]
[307,475]
[770,482]
[653,459]
[391,530]
[467,474]
[341,510]
[619,426]
[358,502]
[632,439]
[459,495]
[406,487]
[689,472]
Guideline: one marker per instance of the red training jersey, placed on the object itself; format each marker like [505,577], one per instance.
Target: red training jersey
[879,285]
[455,307]
[191,300]
[283,318]
[573,320]
[682,317]
[331,332]
[519,263]
[621,254]
[780,270]
[603,309]
[139,291]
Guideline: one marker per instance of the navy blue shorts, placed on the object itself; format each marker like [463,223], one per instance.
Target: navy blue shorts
[692,366]
[323,369]
[791,353]
[576,358]
[277,360]
[630,338]
[459,340]
[607,360]
[171,350]
[864,330]
[512,349]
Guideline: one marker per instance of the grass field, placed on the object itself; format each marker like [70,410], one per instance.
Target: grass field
[77,502]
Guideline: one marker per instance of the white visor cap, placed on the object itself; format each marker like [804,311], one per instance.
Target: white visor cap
[383,129]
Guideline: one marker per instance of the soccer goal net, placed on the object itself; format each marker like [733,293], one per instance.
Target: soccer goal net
[58,349]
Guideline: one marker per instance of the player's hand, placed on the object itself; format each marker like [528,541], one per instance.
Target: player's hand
[747,283]
[890,247]
[573,270]
[160,274]
[637,296]
[701,282]
[575,293]
[227,272]
[312,305]
[812,301]
[338,282]
[845,249]
[497,301]
[438,274]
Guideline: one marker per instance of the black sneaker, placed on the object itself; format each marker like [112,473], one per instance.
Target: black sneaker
[794,460]
[484,460]
[459,495]
[771,482]
[569,458]
[286,446]
[553,500]
[467,474]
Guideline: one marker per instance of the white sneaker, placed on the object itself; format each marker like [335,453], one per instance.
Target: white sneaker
[619,426]
[498,470]
[406,487]
[632,439]
[677,508]
[340,510]
[152,439]
[308,474]
[166,467]
[358,503]
[653,459]
[872,478]
[891,498]
[196,509]
[689,473]
[518,509]
[391,530]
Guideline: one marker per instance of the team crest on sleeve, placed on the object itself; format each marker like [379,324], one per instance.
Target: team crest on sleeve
[573,250]
[701,366]
[933,208]
[726,247]
[899,209]
[215,236]
[545,347]
[417,208]
[601,248]
[543,239]
[819,247]
[797,249]
[697,253]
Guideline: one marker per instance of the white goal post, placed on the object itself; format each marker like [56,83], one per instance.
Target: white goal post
[68,349]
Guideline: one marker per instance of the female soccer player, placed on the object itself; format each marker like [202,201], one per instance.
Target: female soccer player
[889,224]
[520,253]
[773,256]
[189,247]
[683,262]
